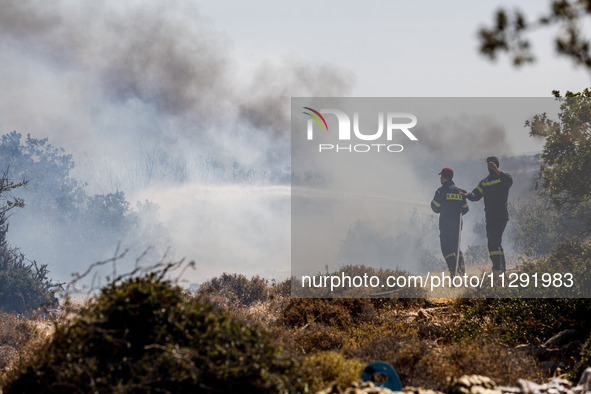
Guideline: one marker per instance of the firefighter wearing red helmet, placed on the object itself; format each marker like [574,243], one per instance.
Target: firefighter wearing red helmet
[450,205]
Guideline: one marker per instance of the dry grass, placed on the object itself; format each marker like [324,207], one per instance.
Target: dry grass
[412,335]
[20,335]
[415,342]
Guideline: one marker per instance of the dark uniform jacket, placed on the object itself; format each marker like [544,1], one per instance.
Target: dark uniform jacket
[449,203]
[495,189]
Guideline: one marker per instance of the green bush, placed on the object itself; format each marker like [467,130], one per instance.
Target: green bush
[144,335]
[23,288]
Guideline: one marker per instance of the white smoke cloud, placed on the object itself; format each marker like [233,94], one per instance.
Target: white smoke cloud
[150,99]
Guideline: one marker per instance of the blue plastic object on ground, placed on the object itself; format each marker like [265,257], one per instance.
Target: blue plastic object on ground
[371,370]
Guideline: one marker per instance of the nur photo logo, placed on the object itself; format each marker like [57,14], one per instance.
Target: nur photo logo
[390,125]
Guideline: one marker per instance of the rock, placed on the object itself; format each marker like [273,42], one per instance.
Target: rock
[556,386]
[361,387]
[333,389]
[584,386]
[473,384]
[357,388]
[527,387]
[476,384]
[509,390]
[419,390]
[562,338]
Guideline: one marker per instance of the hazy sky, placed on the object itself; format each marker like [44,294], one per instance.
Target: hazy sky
[395,48]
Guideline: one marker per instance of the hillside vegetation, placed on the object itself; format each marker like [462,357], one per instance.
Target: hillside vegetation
[144,334]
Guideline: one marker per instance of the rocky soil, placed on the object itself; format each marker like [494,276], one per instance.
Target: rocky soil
[476,384]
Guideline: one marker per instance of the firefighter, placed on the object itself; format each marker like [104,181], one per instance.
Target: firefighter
[495,190]
[450,205]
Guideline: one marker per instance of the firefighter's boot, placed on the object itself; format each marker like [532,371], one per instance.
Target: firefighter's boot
[498,260]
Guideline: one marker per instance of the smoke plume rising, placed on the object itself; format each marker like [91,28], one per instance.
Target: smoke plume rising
[150,100]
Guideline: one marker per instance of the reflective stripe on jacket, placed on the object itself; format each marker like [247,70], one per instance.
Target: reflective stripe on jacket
[495,190]
[449,203]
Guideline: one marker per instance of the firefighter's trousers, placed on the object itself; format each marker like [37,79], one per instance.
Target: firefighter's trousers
[449,248]
[494,234]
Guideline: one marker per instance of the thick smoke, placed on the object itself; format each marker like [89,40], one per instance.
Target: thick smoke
[166,56]
[159,54]
[465,137]
[150,100]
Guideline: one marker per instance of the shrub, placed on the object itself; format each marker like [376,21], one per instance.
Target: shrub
[409,356]
[319,285]
[479,357]
[333,312]
[363,335]
[515,320]
[319,337]
[536,226]
[237,288]
[426,364]
[323,368]
[282,289]
[62,216]
[24,285]
[571,257]
[143,335]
